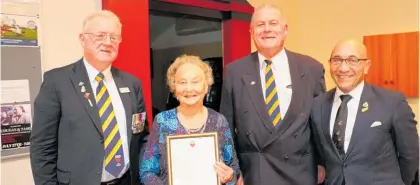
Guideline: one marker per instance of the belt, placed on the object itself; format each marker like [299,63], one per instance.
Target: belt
[117,180]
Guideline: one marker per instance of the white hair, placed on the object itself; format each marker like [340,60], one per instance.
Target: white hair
[102,13]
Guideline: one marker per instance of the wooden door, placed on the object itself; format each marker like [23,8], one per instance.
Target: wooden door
[407,60]
[380,53]
[395,61]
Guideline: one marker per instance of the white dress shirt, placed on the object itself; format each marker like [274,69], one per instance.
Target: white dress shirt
[281,72]
[352,107]
[118,109]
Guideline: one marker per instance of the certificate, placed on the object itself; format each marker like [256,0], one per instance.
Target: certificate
[191,159]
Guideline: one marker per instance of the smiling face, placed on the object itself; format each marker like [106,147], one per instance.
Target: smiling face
[100,40]
[268,30]
[190,85]
[349,73]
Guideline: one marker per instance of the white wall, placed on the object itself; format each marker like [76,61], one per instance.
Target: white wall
[61,22]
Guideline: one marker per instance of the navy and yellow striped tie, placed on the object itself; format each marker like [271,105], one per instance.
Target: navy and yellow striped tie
[114,156]
[271,97]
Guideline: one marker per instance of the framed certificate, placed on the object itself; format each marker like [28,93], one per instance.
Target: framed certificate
[191,159]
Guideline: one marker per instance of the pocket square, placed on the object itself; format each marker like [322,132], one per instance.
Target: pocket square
[376,123]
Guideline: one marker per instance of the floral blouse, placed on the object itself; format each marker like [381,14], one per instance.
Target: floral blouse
[153,167]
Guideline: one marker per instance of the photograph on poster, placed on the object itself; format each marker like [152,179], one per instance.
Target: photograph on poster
[16,123]
[19,22]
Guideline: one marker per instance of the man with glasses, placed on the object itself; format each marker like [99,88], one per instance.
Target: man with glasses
[89,119]
[364,134]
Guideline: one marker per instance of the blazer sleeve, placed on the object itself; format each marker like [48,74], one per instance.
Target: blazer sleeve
[315,136]
[43,150]
[320,86]
[140,104]
[226,103]
[406,139]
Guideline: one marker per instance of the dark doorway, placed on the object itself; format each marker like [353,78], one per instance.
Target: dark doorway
[174,34]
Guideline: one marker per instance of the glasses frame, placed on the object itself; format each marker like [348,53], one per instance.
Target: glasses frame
[351,61]
[102,36]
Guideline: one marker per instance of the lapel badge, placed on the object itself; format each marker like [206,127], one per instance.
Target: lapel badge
[83,89]
[365,107]
[252,83]
[81,83]
[86,95]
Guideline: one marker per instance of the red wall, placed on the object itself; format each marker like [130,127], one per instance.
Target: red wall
[134,56]
[236,40]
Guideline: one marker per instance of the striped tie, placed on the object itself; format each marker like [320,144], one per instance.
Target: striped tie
[271,97]
[114,156]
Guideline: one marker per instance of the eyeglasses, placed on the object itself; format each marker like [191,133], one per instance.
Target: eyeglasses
[351,61]
[101,36]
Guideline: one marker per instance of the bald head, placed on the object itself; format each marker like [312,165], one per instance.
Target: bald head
[349,74]
[349,47]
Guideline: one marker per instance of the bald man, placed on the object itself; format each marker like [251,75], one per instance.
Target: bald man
[267,97]
[365,134]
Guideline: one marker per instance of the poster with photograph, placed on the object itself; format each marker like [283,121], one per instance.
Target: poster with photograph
[16,124]
[19,22]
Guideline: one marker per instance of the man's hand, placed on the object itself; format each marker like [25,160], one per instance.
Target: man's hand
[240,180]
[321,174]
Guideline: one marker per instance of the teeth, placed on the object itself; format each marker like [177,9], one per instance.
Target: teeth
[344,76]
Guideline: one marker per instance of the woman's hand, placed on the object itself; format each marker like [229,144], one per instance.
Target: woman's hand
[224,172]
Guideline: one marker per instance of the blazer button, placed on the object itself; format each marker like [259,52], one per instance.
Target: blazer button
[301,114]
[102,141]
[245,110]
[295,136]
[345,165]
[247,133]
[286,157]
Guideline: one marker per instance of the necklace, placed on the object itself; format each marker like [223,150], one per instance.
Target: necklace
[196,130]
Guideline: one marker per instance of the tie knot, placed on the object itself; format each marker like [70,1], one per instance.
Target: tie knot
[268,62]
[345,98]
[99,77]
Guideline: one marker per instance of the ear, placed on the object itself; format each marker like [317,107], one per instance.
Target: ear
[251,31]
[206,88]
[82,39]
[367,66]
[286,29]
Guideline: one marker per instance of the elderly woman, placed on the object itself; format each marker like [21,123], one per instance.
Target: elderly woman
[189,79]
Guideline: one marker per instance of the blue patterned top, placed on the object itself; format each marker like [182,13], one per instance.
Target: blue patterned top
[153,167]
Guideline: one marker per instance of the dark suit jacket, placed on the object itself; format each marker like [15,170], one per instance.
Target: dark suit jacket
[387,154]
[269,155]
[67,141]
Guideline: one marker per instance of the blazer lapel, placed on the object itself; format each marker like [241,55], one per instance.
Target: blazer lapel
[126,100]
[79,79]
[298,95]
[252,82]
[362,118]
[326,118]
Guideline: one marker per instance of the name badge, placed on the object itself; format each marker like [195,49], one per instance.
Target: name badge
[124,90]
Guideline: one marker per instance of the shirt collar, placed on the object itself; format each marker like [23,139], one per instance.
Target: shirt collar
[93,72]
[276,58]
[356,93]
